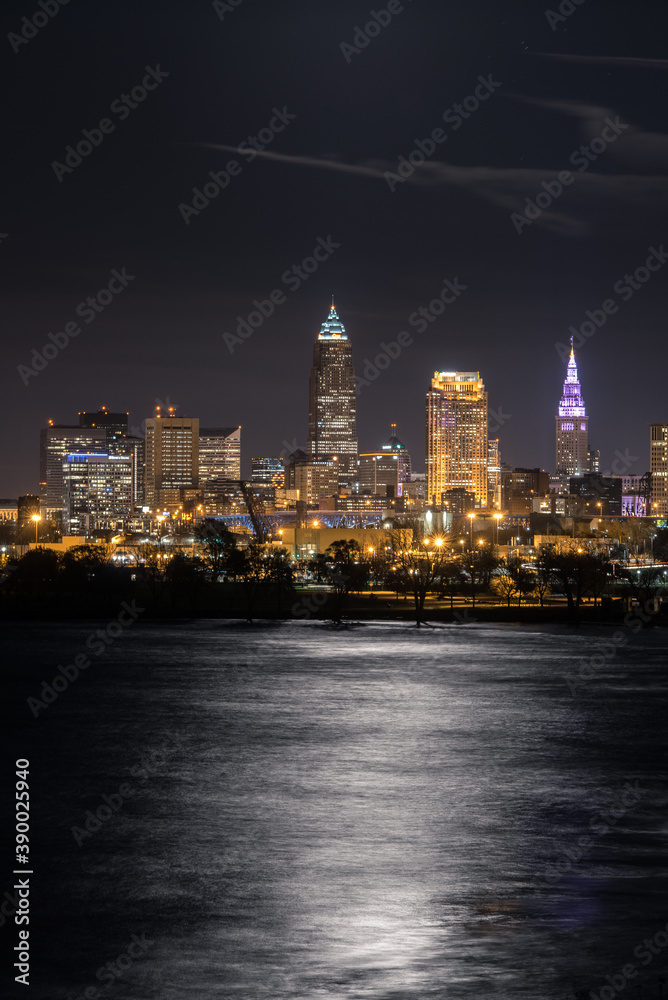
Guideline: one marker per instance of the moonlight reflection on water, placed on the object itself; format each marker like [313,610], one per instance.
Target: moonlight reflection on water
[372,813]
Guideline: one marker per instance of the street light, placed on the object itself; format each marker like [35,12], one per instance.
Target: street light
[36,518]
[497,518]
[471,517]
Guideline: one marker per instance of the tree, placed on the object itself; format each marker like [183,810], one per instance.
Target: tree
[421,563]
[643,584]
[523,578]
[185,574]
[255,569]
[216,541]
[280,572]
[575,573]
[452,579]
[347,573]
[505,585]
[36,573]
[321,562]
[542,584]
[151,559]
[82,569]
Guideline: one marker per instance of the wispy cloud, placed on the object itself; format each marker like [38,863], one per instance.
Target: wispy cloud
[630,61]
[305,161]
[644,152]
[590,199]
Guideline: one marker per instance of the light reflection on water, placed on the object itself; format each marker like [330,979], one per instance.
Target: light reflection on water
[368,813]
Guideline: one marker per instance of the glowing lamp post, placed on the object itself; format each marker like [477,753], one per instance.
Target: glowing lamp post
[36,518]
[497,518]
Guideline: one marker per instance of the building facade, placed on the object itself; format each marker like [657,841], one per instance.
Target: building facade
[494,473]
[572,426]
[520,487]
[119,442]
[378,473]
[114,424]
[636,495]
[457,437]
[219,454]
[312,478]
[599,495]
[268,471]
[98,492]
[55,442]
[332,430]
[397,447]
[658,467]
[172,460]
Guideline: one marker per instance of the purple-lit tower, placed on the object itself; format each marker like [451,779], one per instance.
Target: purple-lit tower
[572,426]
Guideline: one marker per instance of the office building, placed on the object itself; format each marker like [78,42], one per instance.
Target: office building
[659,470]
[172,460]
[599,495]
[119,442]
[378,473]
[114,424]
[572,426]
[219,455]
[457,437]
[98,492]
[520,487]
[57,441]
[494,473]
[268,472]
[398,448]
[332,428]
[458,502]
[636,491]
[312,478]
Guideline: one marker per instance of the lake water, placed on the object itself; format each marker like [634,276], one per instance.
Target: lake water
[373,812]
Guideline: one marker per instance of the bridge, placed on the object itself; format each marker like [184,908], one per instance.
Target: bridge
[314,519]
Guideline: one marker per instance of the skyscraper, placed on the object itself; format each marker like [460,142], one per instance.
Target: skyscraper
[457,436]
[172,459]
[268,471]
[332,431]
[119,442]
[98,492]
[55,442]
[572,425]
[398,448]
[113,423]
[658,470]
[494,473]
[378,473]
[219,454]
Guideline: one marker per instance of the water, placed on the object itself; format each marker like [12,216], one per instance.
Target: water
[366,813]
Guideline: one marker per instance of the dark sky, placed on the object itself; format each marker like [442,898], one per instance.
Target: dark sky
[161,338]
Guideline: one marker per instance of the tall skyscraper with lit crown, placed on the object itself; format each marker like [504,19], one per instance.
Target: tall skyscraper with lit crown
[332,427]
[572,423]
[457,436]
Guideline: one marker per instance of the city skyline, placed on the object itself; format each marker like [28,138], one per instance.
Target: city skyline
[507,416]
[331,330]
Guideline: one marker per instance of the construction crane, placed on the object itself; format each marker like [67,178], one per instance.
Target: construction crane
[255,511]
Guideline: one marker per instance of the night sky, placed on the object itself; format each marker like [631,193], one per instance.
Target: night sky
[323,176]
